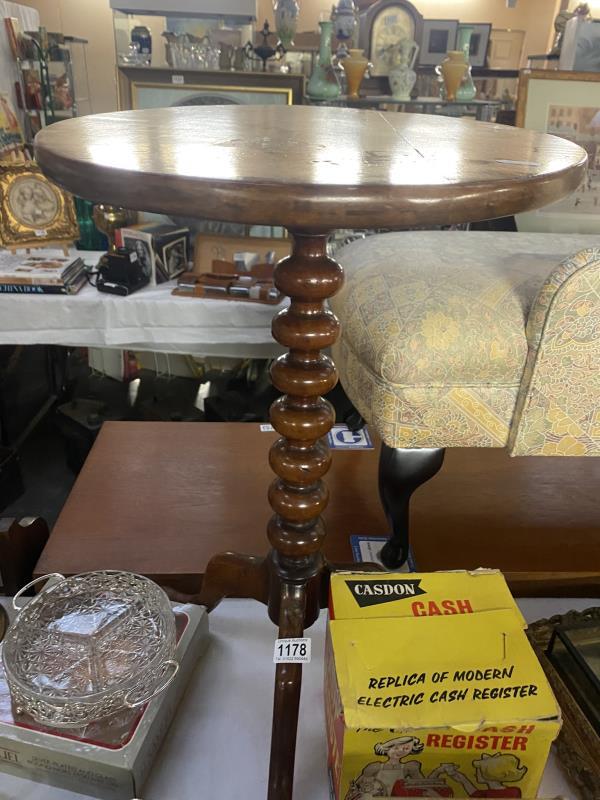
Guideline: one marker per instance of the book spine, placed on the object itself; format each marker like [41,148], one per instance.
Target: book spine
[28,288]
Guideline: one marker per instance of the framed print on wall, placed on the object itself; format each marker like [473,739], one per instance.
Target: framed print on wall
[565,104]
[161,88]
[480,39]
[159,95]
[439,36]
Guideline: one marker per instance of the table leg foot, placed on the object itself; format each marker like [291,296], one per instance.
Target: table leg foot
[229,575]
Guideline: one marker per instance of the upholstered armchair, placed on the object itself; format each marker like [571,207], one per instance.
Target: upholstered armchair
[469,339]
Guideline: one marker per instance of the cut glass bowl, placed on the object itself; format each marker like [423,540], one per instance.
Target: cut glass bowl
[88,646]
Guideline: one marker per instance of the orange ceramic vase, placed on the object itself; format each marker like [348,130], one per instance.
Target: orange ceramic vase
[355,65]
[453,70]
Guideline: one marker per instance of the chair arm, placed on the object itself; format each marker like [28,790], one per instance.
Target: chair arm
[558,408]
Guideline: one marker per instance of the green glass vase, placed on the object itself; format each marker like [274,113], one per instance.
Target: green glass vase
[466,91]
[323,83]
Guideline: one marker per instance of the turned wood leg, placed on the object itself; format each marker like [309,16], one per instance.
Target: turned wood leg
[286,701]
[21,545]
[401,472]
[300,459]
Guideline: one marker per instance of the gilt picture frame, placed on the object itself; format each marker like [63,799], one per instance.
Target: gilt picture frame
[565,104]
[33,211]
[162,88]
[578,744]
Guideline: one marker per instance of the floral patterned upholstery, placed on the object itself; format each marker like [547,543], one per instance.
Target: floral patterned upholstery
[450,339]
[558,409]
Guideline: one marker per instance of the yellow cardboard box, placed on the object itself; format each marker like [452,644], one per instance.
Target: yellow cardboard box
[432,689]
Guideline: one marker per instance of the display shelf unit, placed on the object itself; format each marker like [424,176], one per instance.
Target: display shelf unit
[48,83]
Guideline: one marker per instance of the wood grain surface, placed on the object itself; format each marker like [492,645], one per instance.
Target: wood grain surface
[308,167]
[162,498]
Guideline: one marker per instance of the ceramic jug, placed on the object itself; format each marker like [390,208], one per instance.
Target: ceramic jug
[323,83]
[453,69]
[355,65]
[402,76]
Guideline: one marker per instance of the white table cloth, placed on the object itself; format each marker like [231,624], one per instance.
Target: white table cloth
[150,319]
[218,745]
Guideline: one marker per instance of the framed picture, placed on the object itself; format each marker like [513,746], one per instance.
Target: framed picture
[578,744]
[33,211]
[565,104]
[140,243]
[174,257]
[382,25]
[162,251]
[157,88]
[439,36]
[480,39]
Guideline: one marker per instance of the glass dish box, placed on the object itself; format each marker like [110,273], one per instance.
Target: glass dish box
[115,767]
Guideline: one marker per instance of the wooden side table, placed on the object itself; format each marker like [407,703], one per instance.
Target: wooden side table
[311,170]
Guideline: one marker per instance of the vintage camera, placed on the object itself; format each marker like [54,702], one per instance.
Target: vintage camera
[121,272]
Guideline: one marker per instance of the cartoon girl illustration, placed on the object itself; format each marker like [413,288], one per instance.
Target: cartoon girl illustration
[495,771]
[397,777]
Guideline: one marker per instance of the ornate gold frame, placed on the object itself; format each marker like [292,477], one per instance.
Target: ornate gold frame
[208,87]
[18,232]
[131,79]
[578,744]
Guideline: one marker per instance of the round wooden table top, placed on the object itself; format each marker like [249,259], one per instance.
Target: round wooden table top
[308,167]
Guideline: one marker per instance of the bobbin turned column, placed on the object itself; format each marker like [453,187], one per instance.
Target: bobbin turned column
[300,459]
[302,416]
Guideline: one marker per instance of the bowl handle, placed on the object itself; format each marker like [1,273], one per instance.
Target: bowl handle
[33,583]
[160,688]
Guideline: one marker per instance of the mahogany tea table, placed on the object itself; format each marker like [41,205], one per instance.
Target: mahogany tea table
[311,170]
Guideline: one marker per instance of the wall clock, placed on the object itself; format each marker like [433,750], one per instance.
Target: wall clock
[383,25]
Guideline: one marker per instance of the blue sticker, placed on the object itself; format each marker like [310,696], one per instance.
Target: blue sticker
[367,548]
[340,437]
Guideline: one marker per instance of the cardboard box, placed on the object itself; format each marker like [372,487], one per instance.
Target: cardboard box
[432,688]
[108,770]
[162,249]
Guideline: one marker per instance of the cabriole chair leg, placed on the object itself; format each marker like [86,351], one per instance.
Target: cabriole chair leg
[401,472]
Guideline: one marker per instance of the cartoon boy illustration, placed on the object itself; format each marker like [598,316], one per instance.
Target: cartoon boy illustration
[495,771]
[397,777]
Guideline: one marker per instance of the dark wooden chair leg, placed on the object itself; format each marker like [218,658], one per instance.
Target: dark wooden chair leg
[21,544]
[401,472]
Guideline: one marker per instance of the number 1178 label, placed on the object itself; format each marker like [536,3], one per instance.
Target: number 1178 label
[292,651]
